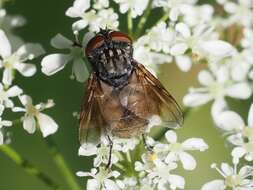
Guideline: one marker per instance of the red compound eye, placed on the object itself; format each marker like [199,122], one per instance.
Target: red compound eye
[120,37]
[94,43]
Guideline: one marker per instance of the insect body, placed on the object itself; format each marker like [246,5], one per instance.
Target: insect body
[122,94]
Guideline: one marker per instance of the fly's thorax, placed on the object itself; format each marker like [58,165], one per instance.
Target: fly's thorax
[113,62]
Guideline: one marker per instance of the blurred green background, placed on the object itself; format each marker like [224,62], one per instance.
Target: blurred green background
[45,19]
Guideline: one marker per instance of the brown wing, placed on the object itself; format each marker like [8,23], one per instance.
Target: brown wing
[91,120]
[166,105]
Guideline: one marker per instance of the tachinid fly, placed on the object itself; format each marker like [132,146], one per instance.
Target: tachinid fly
[122,94]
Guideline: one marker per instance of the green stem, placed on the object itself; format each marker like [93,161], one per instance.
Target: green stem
[130,23]
[161,134]
[143,20]
[164,18]
[62,165]
[27,166]
[60,162]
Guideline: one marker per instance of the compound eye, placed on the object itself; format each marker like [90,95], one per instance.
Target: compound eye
[94,43]
[120,37]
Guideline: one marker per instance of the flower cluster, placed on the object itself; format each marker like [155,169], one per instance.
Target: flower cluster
[15,58]
[154,169]
[217,35]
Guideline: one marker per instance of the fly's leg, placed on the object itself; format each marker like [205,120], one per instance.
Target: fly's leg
[110,152]
[149,148]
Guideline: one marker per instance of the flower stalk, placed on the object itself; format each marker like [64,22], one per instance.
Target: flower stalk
[28,167]
[62,165]
[143,19]
[130,23]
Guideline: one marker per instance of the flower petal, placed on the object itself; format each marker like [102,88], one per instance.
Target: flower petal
[80,70]
[53,63]
[109,184]
[183,29]
[171,136]
[214,185]
[18,109]
[246,171]
[217,48]
[26,69]
[47,125]
[196,99]
[195,144]
[184,63]
[228,170]
[79,7]
[205,78]
[238,152]
[189,163]
[82,174]
[176,181]
[87,149]
[25,100]
[61,42]
[5,46]
[79,25]
[7,76]
[250,116]
[178,49]
[93,184]
[14,91]
[87,37]
[30,51]
[219,106]
[229,120]
[6,123]
[29,124]
[239,90]
[174,12]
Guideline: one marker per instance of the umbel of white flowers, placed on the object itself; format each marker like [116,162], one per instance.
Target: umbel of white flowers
[11,61]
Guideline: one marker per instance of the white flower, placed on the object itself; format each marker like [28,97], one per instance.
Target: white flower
[130,183]
[9,23]
[125,145]
[46,124]
[241,63]
[159,38]
[173,6]
[178,151]
[240,12]
[162,177]
[135,6]
[102,153]
[232,179]
[107,18]
[216,86]
[194,15]
[158,172]
[101,179]
[247,38]
[17,60]
[79,7]
[149,58]
[201,41]
[3,123]
[95,20]
[53,63]
[239,133]
[5,95]
[99,4]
